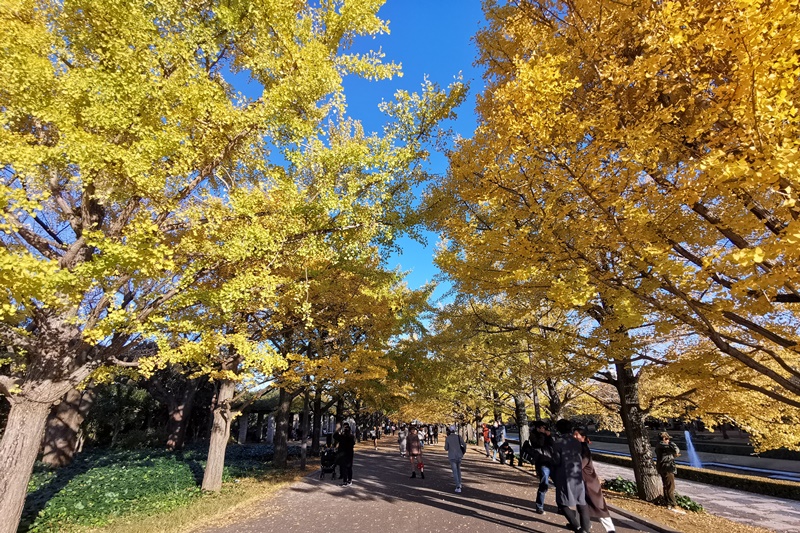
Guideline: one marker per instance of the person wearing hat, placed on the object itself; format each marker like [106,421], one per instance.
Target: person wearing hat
[666,452]
[455,448]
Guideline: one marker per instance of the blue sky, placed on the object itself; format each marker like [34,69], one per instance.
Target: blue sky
[429,38]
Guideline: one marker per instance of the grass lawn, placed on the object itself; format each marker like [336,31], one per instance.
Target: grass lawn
[144,490]
[688,523]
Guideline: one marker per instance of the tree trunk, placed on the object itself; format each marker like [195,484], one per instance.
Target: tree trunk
[281,429]
[647,479]
[555,406]
[316,433]
[537,409]
[18,450]
[220,433]
[179,414]
[63,425]
[522,417]
[340,411]
[304,430]
[495,406]
[244,421]
[259,427]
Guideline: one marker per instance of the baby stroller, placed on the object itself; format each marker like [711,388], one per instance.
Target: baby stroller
[327,460]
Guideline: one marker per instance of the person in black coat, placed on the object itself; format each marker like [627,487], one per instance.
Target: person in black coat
[347,444]
[568,475]
[542,445]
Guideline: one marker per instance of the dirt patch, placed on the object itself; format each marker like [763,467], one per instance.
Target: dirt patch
[688,523]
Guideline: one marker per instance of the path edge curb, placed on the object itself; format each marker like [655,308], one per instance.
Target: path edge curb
[641,520]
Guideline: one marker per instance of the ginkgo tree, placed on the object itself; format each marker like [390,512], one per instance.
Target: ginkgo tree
[637,162]
[674,140]
[121,132]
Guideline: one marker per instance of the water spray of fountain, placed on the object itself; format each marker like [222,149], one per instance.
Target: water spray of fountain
[694,459]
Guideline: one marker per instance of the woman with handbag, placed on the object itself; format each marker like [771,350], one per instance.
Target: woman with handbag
[456,448]
[593,485]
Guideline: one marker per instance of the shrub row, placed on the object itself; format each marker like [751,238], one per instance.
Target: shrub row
[758,485]
[628,487]
[726,448]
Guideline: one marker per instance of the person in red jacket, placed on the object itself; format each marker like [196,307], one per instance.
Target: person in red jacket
[486,441]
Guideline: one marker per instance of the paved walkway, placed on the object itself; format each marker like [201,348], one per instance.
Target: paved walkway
[754,509]
[383,497]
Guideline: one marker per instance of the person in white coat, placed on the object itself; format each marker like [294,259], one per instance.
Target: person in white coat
[455,448]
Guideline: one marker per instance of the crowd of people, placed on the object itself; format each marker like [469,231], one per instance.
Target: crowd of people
[561,458]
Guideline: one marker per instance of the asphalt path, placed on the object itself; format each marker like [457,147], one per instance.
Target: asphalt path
[383,497]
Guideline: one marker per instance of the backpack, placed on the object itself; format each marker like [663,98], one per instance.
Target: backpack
[527,452]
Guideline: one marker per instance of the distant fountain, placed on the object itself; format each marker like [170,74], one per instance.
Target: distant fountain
[694,459]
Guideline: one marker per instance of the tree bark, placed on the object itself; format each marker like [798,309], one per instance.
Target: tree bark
[537,409]
[220,433]
[555,406]
[340,410]
[281,429]
[63,425]
[522,417]
[495,406]
[244,421]
[180,411]
[18,450]
[647,479]
[260,427]
[304,430]
[317,429]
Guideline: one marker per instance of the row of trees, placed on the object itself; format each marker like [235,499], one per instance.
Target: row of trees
[154,218]
[625,218]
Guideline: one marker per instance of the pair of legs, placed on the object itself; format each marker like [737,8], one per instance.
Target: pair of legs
[415,460]
[403,449]
[347,471]
[668,481]
[578,521]
[507,457]
[487,447]
[543,471]
[494,449]
[455,466]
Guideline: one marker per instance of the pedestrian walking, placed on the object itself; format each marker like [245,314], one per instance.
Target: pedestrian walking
[456,448]
[591,481]
[336,438]
[570,489]
[414,451]
[486,440]
[375,437]
[542,444]
[402,434]
[493,438]
[436,434]
[666,452]
[347,444]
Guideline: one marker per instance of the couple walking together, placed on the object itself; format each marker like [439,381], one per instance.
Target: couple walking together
[567,458]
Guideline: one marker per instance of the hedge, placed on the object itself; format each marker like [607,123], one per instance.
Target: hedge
[726,448]
[758,485]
